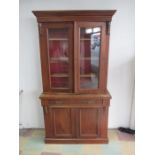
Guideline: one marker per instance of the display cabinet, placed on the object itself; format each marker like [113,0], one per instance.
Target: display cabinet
[74,63]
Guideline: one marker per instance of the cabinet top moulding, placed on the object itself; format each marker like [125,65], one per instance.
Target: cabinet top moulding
[74,15]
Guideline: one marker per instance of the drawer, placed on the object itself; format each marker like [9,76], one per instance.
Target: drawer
[75,103]
[57,101]
[87,101]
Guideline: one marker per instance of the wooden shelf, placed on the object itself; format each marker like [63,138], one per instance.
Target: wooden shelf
[57,39]
[89,58]
[85,39]
[62,88]
[60,59]
[66,75]
[88,75]
[59,75]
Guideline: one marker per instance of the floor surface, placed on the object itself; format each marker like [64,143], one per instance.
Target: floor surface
[32,143]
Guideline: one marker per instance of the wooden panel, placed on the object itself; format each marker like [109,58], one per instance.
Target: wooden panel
[104,122]
[44,58]
[63,122]
[88,122]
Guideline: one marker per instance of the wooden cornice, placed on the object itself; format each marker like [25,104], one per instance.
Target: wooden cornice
[72,15]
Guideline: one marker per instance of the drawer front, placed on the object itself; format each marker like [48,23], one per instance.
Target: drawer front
[89,102]
[75,102]
[57,102]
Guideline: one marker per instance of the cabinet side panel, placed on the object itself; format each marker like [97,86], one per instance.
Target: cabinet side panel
[44,57]
[104,120]
[47,120]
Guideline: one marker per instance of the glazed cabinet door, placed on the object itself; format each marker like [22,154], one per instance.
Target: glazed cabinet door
[91,56]
[56,56]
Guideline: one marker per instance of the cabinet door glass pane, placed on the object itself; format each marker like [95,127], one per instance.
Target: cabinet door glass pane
[58,47]
[90,40]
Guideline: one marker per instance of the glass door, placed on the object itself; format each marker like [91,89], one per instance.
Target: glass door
[90,49]
[59,42]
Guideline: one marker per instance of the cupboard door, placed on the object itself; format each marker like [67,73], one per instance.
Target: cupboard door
[91,40]
[89,122]
[57,57]
[62,122]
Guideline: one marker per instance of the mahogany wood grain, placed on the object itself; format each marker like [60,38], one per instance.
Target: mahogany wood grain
[88,122]
[75,115]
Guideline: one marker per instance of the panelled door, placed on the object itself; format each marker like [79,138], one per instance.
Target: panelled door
[62,122]
[89,122]
[81,121]
[90,56]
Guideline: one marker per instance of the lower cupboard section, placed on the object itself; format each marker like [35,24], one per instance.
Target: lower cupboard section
[86,123]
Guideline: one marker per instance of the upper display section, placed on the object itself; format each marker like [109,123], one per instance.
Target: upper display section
[74,50]
[70,15]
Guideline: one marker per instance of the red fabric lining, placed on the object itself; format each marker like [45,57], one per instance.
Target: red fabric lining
[59,82]
[59,67]
[58,49]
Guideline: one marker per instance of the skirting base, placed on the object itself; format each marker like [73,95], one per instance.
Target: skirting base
[75,141]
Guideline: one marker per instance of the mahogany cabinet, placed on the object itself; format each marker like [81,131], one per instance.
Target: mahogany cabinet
[74,63]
